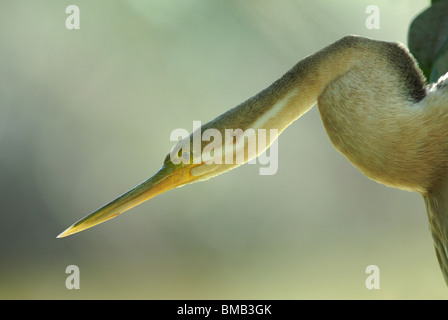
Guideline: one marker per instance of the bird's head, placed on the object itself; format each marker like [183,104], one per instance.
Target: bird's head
[190,160]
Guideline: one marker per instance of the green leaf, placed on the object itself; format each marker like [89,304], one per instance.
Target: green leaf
[440,66]
[427,36]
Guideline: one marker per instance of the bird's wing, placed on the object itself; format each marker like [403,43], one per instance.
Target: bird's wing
[437,209]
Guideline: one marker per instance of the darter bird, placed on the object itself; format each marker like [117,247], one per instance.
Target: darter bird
[376,109]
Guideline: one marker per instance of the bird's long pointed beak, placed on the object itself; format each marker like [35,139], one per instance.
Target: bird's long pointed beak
[168,177]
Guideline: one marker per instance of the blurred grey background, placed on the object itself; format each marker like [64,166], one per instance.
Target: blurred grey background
[86,114]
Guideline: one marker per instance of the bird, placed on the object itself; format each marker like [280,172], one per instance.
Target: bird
[377,110]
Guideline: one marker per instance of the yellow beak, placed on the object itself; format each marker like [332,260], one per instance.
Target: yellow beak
[168,177]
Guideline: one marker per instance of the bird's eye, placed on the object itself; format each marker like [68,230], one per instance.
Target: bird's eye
[186,155]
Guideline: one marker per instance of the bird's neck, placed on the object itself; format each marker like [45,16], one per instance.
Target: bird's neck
[366,91]
[298,90]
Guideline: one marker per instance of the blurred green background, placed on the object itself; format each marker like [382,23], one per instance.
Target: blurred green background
[86,114]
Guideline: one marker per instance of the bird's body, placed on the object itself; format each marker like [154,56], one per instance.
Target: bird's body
[383,122]
[377,112]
